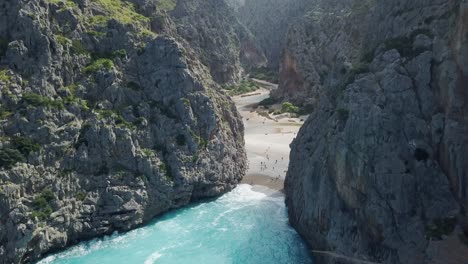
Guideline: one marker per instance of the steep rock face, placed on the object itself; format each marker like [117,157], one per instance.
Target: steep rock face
[224,44]
[379,168]
[105,123]
[269,22]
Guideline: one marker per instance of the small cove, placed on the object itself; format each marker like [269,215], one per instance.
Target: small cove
[247,225]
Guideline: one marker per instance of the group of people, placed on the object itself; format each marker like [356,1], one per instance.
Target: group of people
[264,165]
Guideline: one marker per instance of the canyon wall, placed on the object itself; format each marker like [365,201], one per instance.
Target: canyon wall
[108,119]
[223,43]
[379,169]
[268,21]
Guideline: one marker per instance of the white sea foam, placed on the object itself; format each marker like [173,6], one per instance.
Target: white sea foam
[223,231]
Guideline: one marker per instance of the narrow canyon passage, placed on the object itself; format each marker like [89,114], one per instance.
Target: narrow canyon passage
[234,131]
[246,226]
[267,138]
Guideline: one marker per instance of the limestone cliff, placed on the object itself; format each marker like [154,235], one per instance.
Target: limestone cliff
[379,169]
[107,120]
[224,45]
[269,20]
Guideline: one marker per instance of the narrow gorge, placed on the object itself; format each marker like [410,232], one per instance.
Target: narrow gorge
[234,131]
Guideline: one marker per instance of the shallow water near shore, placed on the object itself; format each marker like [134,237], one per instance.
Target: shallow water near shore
[243,226]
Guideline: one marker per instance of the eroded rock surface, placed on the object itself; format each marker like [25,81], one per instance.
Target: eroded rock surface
[107,120]
[379,169]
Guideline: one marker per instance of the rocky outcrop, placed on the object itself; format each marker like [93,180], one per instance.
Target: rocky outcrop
[379,169]
[224,44]
[107,120]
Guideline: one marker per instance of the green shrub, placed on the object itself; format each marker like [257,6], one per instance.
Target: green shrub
[42,205]
[288,107]
[80,196]
[186,102]
[148,152]
[243,87]
[65,3]
[24,145]
[121,53]
[39,100]
[63,40]
[4,77]
[121,11]
[96,33]
[167,170]
[78,101]
[201,142]
[42,214]
[9,157]
[265,74]
[78,47]
[268,102]
[4,114]
[167,5]
[98,65]
[47,195]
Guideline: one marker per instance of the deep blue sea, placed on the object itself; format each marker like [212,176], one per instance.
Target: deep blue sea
[241,227]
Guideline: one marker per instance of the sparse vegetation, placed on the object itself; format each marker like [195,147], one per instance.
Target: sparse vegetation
[64,41]
[9,157]
[121,11]
[4,77]
[268,102]
[243,87]
[167,5]
[39,100]
[24,145]
[18,149]
[64,3]
[201,142]
[80,196]
[288,107]
[148,152]
[4,114]
[186,102]
[78,47]
[42,205]
[167,171]
[119,120]
[265,74]
[98,65]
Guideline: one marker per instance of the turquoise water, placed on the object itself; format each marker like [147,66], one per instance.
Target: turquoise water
[243,226]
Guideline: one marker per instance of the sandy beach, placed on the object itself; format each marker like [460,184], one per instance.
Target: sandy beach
[267,141]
